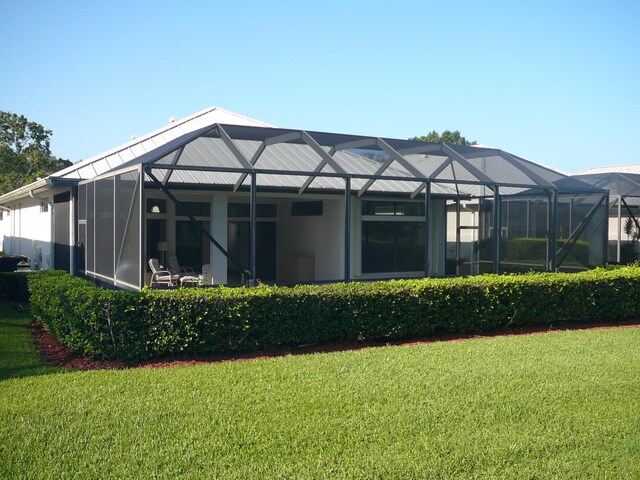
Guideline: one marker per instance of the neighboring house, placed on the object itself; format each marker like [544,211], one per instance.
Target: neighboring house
[283,205]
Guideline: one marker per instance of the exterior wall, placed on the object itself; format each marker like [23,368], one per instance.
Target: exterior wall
[27,231]
[5,230]
[312,239]
[308,248]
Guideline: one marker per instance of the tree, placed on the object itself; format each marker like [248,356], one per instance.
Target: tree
[25,153]
[452,138]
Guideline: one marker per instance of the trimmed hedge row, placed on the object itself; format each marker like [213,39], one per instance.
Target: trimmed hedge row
[137,325]
[532,250]
[13,287]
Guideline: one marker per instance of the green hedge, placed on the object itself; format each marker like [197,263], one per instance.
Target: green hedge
[533,250]
[132,326]
[13,286]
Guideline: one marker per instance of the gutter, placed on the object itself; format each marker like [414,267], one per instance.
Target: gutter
[25,190]
[42,199]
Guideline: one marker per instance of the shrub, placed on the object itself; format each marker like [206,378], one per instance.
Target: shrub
[13,286]
[533,250]
[136,325]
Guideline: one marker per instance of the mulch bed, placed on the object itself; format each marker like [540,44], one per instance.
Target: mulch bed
[55,354]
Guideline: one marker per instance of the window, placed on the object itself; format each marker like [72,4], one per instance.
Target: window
[392,246]
[44,207]
[156,205]
[393,209]
[392,236]
[197,209]
[243,210]
[306,209]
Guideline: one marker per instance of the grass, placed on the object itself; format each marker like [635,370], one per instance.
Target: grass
[558,405]
[18,356]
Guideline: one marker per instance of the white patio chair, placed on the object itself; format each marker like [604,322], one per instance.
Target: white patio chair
[175,267]
[160,276]
[207,274]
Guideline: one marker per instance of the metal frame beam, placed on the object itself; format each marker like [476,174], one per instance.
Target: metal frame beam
[266,171]
[626,206]
[527,171]
[394,155]
[327,159]
[284,138]
[347,229]
[361,143]
[497,227]
[427,229]
[253,161]
[174,161]
[573,238]
[253,231]
[553,233]
[399,158]
[481,176]
[234,148]
[433,176]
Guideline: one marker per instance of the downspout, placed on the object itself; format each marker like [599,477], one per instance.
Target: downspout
[53,227]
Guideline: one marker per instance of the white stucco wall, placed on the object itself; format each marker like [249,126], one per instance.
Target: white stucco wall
[27,231]
[319,237]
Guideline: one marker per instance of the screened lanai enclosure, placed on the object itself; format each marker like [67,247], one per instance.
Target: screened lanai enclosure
[261,204]
[623,184]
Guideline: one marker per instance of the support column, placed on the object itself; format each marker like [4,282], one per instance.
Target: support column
[142,226]
[605,233]
[619,200]
[253,223]
[553,233]
[219,229]
[458,235]
[73,217]
[347,229]
[427,228]
[497,227]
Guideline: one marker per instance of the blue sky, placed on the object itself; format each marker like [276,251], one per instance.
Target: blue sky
[556,82]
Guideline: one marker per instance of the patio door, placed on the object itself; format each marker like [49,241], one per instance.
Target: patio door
[192,248]
[238,243]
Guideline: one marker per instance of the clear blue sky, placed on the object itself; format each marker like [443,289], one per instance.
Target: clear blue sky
[556,82]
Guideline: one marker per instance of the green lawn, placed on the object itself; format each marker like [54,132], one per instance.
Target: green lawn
[557,405]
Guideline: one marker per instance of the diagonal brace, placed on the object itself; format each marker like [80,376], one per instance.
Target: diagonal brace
[573,238]
[326,159]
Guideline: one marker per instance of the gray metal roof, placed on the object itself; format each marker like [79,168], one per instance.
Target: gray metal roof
[284,158]
[618,183]
[217,147]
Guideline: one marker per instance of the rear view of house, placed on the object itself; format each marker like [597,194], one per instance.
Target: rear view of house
[250,201]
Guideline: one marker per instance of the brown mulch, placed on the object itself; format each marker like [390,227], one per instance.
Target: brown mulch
[55,354]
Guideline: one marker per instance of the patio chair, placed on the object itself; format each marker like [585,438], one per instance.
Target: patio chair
[160,276]
[207,274]
[175,267]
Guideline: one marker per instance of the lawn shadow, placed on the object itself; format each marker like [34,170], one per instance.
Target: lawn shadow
[18,355]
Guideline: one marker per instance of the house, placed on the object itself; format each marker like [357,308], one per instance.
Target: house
[282,205]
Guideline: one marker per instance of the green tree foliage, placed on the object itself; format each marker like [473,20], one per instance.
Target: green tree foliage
[449,137]
[25,153]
